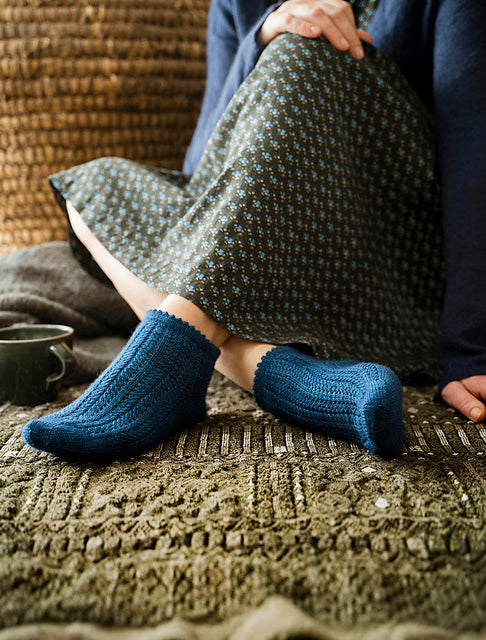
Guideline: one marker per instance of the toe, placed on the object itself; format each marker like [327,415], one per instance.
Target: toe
[36,434]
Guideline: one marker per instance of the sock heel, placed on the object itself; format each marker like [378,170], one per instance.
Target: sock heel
[384,430]
[348,400]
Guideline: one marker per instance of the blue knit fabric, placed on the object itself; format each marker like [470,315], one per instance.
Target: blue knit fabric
[156,384]
[361,402]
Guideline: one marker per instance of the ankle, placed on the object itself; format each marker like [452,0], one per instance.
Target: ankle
[193,315]
[239,360]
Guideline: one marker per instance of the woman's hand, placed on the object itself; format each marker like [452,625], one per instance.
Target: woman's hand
[333,19]
[467,396]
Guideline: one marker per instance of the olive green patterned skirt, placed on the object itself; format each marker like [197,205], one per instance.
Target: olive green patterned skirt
[312,218]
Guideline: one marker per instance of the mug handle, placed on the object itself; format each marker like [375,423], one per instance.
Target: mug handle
[67,360]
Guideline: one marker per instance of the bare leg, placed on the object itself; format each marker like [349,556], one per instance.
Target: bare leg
[159,382]
[139,295]
[239,360]
[239,357]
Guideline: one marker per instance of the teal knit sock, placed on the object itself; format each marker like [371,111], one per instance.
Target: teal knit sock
[156,384]
[348,400]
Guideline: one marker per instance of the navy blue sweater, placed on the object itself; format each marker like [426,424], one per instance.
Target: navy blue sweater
[440,47]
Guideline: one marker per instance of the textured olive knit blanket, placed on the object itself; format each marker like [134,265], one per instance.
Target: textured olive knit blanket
[241,527]
[222,518]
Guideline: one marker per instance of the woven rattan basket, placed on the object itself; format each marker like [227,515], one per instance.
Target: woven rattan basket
[81,79]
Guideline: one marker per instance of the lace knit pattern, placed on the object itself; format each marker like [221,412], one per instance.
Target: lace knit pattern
[157,383]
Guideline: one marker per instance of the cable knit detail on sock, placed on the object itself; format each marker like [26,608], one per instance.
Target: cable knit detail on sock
[360,402]
[157,383]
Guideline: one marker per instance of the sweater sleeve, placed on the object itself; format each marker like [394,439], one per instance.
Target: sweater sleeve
[459,94]
[232,52]
[440,47]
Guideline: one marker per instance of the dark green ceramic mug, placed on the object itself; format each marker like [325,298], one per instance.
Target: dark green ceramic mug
[34,358]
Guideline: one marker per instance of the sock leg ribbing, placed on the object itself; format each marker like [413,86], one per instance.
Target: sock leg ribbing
[157,383]
[361,402]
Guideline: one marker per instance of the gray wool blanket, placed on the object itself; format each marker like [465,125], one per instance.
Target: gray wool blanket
[46,284]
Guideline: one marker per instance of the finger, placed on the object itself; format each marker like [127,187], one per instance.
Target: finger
[343,18]
[364,35]
[458,396]
[300,26]
[278,23]
[317,16]
[476,385]
[316,21]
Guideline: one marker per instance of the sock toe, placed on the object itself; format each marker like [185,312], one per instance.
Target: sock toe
[36,434]
[58,439]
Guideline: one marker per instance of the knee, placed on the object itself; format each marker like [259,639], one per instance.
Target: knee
[296,57]
[310,69]
[294,50]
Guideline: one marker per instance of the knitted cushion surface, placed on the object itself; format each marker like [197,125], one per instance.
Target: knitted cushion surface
[242,507]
